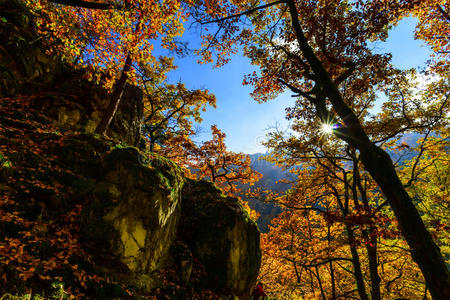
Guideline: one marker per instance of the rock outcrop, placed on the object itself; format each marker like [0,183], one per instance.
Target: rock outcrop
[222,237]
[68,108]
[138,218]
[132,213]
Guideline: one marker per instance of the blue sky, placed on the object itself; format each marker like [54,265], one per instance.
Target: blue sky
[244,120]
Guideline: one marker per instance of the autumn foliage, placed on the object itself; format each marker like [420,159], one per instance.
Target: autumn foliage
[367,214]
[36,246]
[232,172]
[102,38]
[321,52]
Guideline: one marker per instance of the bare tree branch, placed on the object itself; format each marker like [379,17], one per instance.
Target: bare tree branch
[247,12]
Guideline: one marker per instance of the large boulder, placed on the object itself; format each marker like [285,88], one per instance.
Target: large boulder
[131,218]
[221,237]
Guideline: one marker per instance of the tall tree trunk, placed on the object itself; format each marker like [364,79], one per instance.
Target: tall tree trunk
[356,265]
[375,279]
[424,251]
[115,98]
[333,279]
[370,237]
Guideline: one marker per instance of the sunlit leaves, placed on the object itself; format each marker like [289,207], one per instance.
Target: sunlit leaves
[427,177]
[101,39]
[212,160]
[227,169]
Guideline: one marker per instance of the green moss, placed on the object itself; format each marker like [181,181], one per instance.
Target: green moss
[4,162]
[145,166]
[120,146]
[6,168]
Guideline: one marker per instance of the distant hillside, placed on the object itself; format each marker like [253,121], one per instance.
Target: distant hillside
[272,174]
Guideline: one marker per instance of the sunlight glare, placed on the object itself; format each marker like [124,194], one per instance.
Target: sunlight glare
[327,128]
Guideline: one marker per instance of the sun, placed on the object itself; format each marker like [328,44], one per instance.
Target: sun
[327,128]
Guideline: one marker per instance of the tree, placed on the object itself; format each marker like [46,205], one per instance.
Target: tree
[230,171]
[426,176]
[325,186]
[170,111]
[108,37]
[305,258]
[225,168]
[334,206]
[319,51]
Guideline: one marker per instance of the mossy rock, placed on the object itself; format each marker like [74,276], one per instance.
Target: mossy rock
[132,214]
[222,237]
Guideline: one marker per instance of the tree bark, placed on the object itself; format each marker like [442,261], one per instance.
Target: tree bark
[423,249]
[371,239]
[356,265]
[375,279]
[333,280]
[119,87]
[115,98]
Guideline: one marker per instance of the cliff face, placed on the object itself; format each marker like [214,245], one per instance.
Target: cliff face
[96,217]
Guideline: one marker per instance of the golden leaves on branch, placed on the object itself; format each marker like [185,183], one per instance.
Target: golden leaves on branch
[101,39]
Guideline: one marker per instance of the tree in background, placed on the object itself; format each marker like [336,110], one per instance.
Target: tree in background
[170,111]
[427,176]
[319,50]
[336,238]
[319,160]
[228,170]
[225,168]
